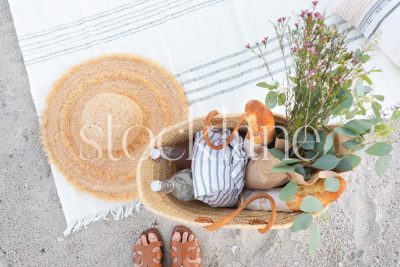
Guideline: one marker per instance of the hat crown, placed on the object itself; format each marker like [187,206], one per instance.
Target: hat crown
[111,120]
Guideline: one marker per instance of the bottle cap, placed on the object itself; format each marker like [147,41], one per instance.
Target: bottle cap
[155,154]
[156,186]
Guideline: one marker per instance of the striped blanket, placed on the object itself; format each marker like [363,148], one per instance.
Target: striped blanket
[200,41]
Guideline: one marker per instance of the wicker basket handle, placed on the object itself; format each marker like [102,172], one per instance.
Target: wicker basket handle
[228,218]
[208,123]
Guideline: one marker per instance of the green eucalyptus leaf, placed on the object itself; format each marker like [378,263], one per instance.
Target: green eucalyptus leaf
[374,120]
[366,79]
[357,54]
[315,240]
[281,99]
[332,184]
[306,140]
[300,170]
[361,111]
[396,114]
[290,161]
[279,154]
[267,85]
[379,97]
[271,99]
[379,149]
[311,154]
[382,164]
[283,168]
[376,108]
[347,84]
[350,114]
[288,192]
[345,131]
[326,162]
[348,163]
[347,101]
[321,145]
[328,143]
[364,58]
[358,126]
[302,222]
[311,204]
[353,145]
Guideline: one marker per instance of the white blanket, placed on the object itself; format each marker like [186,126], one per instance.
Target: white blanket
[200,41]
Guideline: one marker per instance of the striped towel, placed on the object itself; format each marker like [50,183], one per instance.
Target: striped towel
[218,175]
[366,15]
[200,41]
[375,17]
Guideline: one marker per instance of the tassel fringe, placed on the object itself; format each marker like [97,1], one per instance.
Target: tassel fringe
[118,213]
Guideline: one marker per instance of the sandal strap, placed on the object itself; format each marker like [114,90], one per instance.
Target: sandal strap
[183,253]
[148,254]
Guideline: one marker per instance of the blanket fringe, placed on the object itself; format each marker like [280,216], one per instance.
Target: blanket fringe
[118,213]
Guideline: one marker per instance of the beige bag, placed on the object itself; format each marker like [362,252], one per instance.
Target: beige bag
[259,173]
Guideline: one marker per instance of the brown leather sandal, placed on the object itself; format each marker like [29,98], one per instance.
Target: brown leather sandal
[148,254]
[182,252]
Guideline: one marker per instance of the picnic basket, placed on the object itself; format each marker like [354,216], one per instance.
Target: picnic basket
[196,212]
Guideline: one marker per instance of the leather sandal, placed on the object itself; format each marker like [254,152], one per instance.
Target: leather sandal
[183,252]
[149,255]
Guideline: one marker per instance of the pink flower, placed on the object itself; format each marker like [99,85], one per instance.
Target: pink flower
[303,13]
[312,50]
[293,49]
[315,3]
[311,73]
[265,40]
[281,20]
[318,15]
[248,46]
[308,44]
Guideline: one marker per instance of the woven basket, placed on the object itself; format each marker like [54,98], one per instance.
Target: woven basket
[195,212]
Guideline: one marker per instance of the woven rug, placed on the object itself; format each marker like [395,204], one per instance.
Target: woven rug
[200,41]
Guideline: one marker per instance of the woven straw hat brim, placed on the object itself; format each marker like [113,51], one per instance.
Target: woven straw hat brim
[188,212]
[155,91]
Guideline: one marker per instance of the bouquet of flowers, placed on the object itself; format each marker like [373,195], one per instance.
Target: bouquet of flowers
[324,82]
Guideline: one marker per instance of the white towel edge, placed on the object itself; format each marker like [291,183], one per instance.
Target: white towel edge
[117,213]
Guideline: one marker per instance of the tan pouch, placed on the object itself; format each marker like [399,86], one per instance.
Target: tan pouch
[259,173]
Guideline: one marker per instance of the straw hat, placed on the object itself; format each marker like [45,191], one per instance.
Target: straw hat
[127,94]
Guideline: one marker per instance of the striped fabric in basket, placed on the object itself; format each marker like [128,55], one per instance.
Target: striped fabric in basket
[218,175]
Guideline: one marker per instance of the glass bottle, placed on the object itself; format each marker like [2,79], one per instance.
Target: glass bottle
[179,154]
[180,185]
